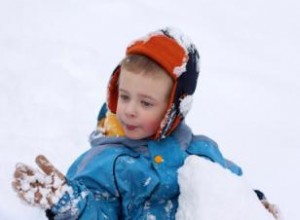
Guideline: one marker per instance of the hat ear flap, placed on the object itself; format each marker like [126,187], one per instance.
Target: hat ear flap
[113,90]
[187,82]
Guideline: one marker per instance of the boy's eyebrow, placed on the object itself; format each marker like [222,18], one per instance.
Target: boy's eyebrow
[122,90]
[147,97]
[140,95]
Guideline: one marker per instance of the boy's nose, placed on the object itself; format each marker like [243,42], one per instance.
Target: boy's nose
[131,110]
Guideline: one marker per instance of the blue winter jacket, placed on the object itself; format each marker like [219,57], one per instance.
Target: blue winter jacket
[119,178]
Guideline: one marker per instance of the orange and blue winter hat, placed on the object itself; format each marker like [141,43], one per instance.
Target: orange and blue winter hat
[176,53]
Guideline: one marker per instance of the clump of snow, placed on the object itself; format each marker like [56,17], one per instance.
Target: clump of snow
[169,207]
[71,204]
[147,181]
[186,104]
[183,39]
[60,192]
[151,217]
[146,37]
[185,42]
[178,70]
[215,193]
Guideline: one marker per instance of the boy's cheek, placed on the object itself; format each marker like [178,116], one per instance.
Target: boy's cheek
[152,125]
[118,111]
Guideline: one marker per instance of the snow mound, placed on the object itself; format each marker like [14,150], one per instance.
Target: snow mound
[210,192]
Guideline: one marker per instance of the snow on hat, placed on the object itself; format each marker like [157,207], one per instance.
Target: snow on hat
[179,57]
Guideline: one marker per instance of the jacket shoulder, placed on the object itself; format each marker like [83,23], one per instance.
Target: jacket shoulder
[206,147]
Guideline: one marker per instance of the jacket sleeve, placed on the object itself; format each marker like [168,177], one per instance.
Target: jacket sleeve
[93,192]
[206,147]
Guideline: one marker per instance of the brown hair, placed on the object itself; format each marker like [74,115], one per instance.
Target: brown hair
[139,63]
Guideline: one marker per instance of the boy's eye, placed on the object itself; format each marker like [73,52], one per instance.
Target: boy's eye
[146,104]
[124,97]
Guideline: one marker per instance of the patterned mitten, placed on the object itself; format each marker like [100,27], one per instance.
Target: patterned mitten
[272,208]
[39,187]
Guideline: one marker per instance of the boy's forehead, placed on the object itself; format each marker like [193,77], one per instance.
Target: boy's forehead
[151,75]
[161,83]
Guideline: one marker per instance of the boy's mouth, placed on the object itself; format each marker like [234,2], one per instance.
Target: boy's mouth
[130,127]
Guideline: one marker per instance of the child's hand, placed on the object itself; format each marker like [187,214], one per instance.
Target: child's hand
[273,209]
[42,188]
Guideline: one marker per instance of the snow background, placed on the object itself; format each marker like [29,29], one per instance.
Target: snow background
[56,58]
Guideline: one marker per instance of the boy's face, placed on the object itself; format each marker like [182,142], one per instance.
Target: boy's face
[142,102]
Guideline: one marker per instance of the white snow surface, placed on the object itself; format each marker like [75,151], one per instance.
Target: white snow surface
[57,56]
[215,193]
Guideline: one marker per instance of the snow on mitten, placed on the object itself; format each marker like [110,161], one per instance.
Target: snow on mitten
[42,188]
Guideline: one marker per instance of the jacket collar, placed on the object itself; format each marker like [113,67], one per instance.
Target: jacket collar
[182,134]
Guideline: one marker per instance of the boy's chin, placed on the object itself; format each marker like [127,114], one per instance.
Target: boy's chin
[136,136]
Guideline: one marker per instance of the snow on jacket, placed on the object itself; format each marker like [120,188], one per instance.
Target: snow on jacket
[119,178]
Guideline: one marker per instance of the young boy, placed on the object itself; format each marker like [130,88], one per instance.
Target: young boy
[141,140]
